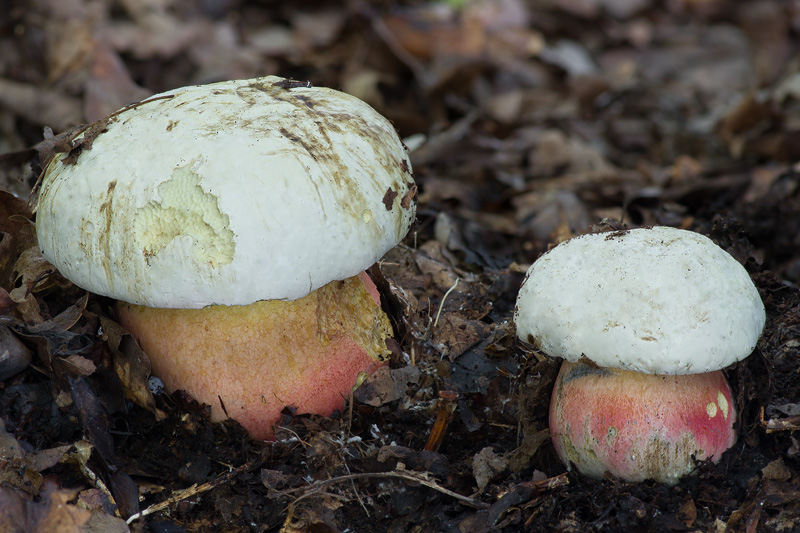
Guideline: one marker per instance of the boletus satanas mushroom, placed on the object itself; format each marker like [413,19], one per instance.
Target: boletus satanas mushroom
[233,222]
[645,320]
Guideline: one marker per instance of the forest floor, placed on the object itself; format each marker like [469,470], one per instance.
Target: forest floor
[527,123]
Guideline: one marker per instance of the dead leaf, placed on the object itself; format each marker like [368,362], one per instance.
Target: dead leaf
[85,139]
[529,446]
[109,86]
[13,212]
[386,385]
[456,334]
[768,29]
[40,105]
[486,466]
[13,511]
[131,365]
[96,424]
[414,460]
[152,30]
[31,270]
[776,470]
[103,522]
[43,459]
[746,115]
[58,339]
[275,479]
[388,198]
[19,515]
[9,447]
[7,306]
[14,355]
[687,513]
[80,366]
[59,515]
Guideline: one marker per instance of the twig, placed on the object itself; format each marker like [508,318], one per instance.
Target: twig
[544,485]
[360,379]
[791,423]
[423,478]
[441,304]
[99,485]
[446,405]
[182,495]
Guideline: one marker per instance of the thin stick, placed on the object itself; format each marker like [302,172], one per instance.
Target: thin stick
[399,473]
[441,304]
[188,493]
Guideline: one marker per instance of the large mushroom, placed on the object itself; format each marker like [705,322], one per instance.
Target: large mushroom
[645,320]
[233,223]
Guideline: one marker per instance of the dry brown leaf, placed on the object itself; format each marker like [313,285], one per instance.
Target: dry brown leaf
[456,334]
[102,522]
[523,455]
[776,470]
[26,306]
[43,459]
[13,212]
[13,511]
[154,31]
[747,114]
[9,447]
[22,470]
[59,515]
[387,385]
[31,267]
[487,465]
[7,305]
[316,29]
[69,46]
[431,262]
[39,105]
[79,365]
[14,355]
[61,323]
[769,30]
[109,86]
[687,513]
[20,515]
[52,336]
[131,365]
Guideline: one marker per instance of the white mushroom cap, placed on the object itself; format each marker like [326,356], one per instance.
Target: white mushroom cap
[654,300]
[227,194]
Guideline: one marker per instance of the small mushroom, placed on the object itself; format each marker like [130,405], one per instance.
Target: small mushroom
[233,223]
[645,320]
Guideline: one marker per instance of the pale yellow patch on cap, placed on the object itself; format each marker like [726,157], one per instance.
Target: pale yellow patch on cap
[185,209]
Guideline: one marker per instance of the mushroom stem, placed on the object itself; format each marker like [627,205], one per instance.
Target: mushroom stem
[257,359]
[639,426]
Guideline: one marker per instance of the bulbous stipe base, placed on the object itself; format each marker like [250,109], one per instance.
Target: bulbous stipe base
[639,426]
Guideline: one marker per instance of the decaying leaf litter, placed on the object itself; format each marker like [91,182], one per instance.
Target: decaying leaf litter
[527,123]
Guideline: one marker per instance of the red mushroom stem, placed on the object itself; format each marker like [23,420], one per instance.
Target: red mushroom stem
[258,359]
[639,426]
